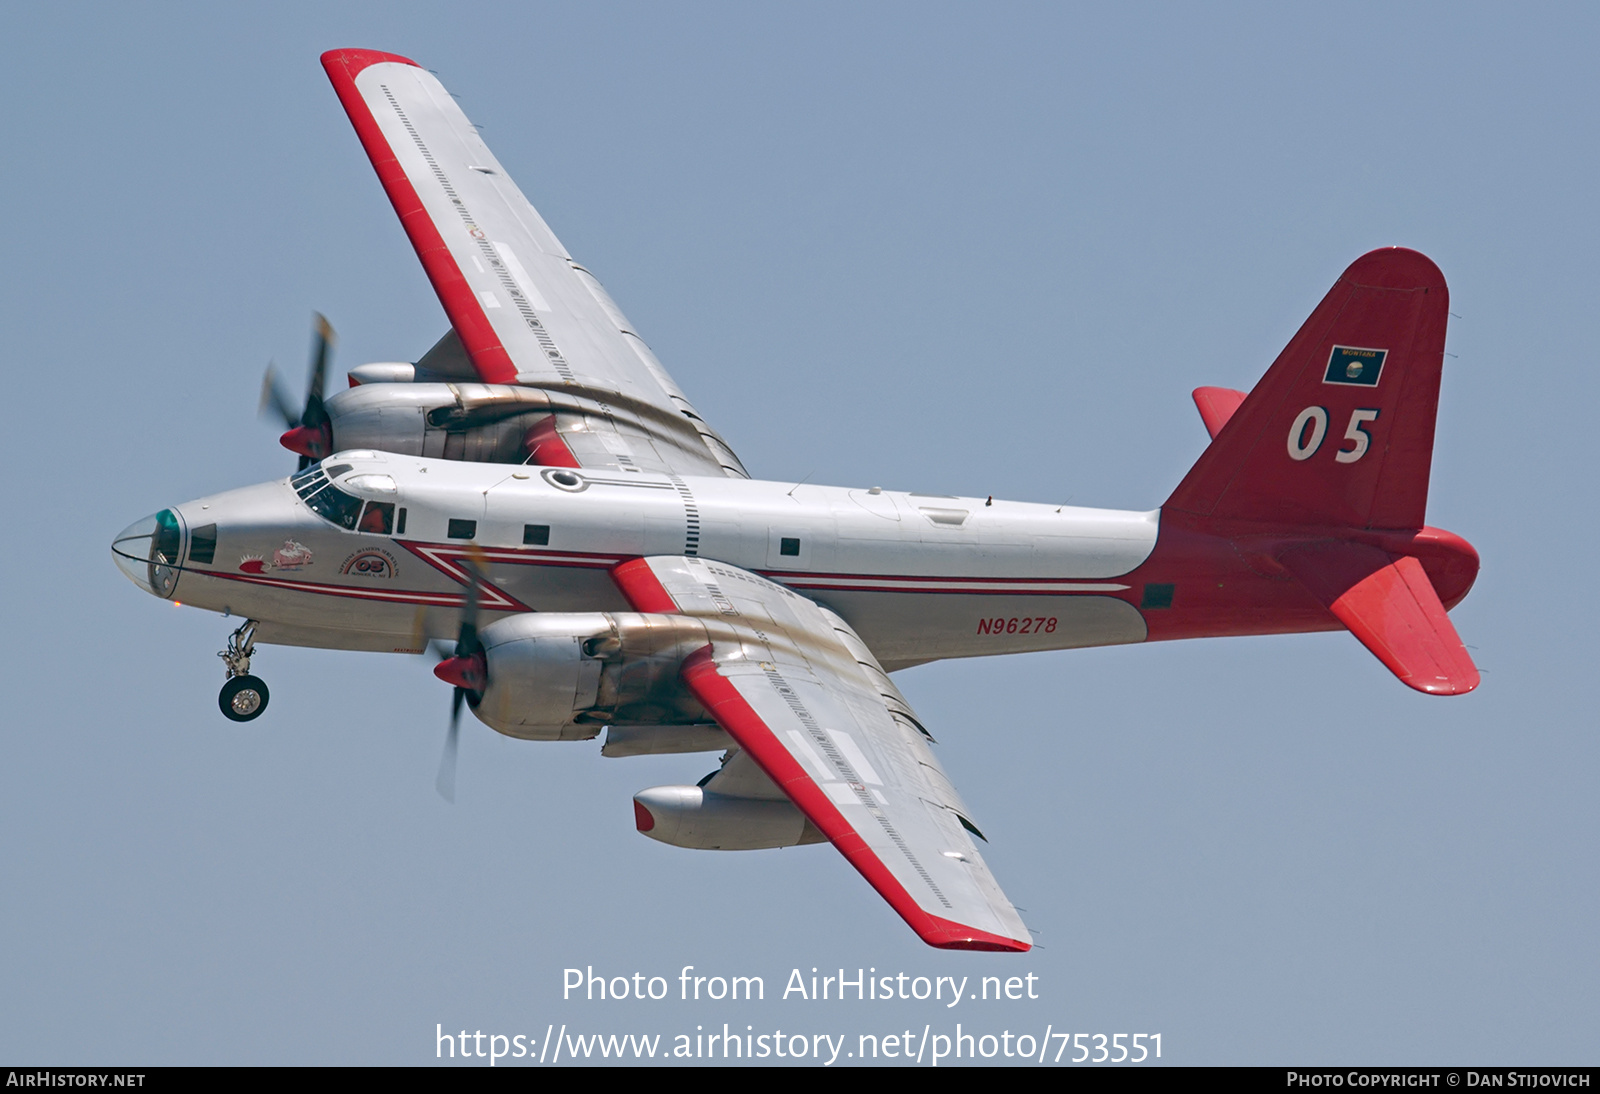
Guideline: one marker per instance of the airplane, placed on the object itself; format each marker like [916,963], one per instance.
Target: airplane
[538,488]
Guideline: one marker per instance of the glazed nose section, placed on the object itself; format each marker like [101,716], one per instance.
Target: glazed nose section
[149,551]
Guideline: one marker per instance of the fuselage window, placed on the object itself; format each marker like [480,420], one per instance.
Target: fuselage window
[378,518]
[400,522]
[789,545]
[537,535]
[334,504]
[462,529]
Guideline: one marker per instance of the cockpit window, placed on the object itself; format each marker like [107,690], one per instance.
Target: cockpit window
[309,481]
[379,518]
[331,503]
[334,504]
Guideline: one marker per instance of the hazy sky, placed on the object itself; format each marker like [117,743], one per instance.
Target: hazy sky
[952,248]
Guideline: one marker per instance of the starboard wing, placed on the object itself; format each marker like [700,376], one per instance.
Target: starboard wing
[792,683]
[523,311]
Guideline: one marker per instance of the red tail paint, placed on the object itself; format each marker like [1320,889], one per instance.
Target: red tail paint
[1340,429]
[1306,512]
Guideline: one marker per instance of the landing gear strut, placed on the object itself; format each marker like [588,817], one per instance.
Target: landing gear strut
[243,697]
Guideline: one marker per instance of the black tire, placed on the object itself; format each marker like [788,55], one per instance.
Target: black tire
[243,698]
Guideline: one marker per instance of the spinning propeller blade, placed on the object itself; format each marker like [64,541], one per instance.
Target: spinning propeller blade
[308,430]
[468,671]
[445,784]
[276,399]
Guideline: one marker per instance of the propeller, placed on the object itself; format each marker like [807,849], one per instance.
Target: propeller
[468,670]
[309,431]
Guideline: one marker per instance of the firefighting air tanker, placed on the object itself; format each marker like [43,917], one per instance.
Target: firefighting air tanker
[538,489]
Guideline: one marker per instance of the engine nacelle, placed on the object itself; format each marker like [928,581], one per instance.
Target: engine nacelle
[487,423]
[688,816]
[561,676]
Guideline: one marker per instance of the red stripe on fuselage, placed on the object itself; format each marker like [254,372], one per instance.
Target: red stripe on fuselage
[780,575]
[971,590]
[316,588]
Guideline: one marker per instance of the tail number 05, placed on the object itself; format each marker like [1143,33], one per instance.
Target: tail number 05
[1311,426]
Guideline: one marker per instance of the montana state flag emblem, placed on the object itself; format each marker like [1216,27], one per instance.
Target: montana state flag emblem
[1349,365]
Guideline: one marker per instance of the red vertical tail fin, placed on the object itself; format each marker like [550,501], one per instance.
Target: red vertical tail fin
[1340,429]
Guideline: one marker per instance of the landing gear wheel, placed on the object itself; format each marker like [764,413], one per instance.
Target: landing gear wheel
[243,698]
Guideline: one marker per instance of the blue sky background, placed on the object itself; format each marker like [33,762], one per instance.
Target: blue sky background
[977,250]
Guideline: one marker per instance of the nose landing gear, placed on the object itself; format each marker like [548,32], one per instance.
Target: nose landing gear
[243,697]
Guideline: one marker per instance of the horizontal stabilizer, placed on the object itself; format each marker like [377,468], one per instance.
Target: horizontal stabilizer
[1216,406]
[1391,606]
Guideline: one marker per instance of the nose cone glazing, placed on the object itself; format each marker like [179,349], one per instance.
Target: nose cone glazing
[149,550]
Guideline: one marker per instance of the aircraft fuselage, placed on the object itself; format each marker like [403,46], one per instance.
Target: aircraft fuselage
[919,576]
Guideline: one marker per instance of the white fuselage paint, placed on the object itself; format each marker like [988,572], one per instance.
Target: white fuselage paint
[919,576]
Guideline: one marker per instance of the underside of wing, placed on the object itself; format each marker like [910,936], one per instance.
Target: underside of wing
[521,310]
[804,699]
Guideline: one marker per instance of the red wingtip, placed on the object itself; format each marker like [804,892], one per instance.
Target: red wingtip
[944,935]
[354,60]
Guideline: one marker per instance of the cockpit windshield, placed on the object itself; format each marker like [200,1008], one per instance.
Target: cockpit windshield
[326,499]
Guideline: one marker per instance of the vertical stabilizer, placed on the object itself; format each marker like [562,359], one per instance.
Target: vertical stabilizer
[1339,432]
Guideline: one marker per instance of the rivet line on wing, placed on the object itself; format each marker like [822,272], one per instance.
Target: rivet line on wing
[854,780]
[507,282]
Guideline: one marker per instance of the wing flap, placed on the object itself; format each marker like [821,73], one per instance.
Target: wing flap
[1392,608]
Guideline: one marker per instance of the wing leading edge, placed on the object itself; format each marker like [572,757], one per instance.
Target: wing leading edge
[800,693]
[524,312]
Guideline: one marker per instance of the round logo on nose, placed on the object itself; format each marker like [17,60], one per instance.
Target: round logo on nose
[370,563]
[1353,369]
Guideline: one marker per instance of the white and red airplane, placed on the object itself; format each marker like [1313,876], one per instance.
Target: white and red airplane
[538,488]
